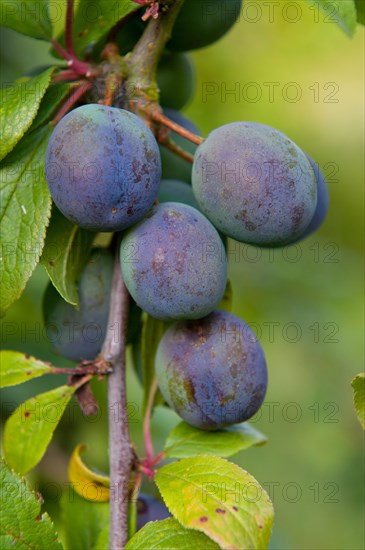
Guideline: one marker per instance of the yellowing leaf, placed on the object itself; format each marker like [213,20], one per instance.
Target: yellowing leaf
[219,499]
[16,367]
[29,430]
[88,484]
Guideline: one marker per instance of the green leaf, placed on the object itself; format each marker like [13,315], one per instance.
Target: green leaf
[168,534]
[152,331]
[16,368]
[19,106]
[218,498]
[94,20]
[360,7]
[55,94]
[341,12]
[358,385]
[103,540]
[29,17]
[185,441]
[25,206]
[22,525]
[83,521]
[29,430]
[66,251]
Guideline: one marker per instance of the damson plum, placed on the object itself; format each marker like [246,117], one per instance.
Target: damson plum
[103,167]
[254,184]
[176,80]
[150,509]
[202,22]
[177,191]
[174,263]
[174,167]
[212,372]
[79,333]
[322,201]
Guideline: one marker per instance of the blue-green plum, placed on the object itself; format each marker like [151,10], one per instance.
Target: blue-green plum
[103,167]
[174,167]
[177,191]
[212,372]
[150,509]
[174,263]
[203,22]
[176,80]
[254,184]
[78,334]
[322,201]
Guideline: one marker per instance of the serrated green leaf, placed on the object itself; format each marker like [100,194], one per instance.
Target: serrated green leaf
[358,385]
[94,20]
[220,499]
[22,525]
[83,521]
[88,484]
[29,17]
[66,251]
[19,106]
[54,96]
[152,331]
[25,206]
[360,8]
[16,367]
[29,430]
[341,12]
[185,441]
[168,534]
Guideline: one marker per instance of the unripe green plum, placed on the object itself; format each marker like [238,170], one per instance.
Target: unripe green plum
[212,372]
[203,22]
[254,184]
[176,80]
[174,167]
[177,191]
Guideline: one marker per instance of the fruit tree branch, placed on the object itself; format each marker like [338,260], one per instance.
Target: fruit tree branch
[121,454]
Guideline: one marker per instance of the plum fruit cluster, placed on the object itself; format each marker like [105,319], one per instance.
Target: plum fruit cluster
[107,172]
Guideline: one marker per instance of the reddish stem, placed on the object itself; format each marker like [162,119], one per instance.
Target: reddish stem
[69,28]
[80,67]
[66,75]
[147,422]
[70,102]
[147,471]
[157,116]
[172,146]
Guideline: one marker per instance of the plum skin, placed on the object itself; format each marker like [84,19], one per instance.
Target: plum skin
[103,167]
[212,372]
[150,509]
[79,333]
[254,184]
[322,201]
[174,263]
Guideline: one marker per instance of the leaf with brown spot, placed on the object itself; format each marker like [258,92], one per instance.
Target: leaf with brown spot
[29,430]
[212,488]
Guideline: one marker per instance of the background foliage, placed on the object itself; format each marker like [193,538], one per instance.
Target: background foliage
[313,461]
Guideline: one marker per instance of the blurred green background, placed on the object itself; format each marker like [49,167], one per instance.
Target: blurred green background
[305,302]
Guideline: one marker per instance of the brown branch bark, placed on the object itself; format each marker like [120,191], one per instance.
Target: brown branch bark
[121,454]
